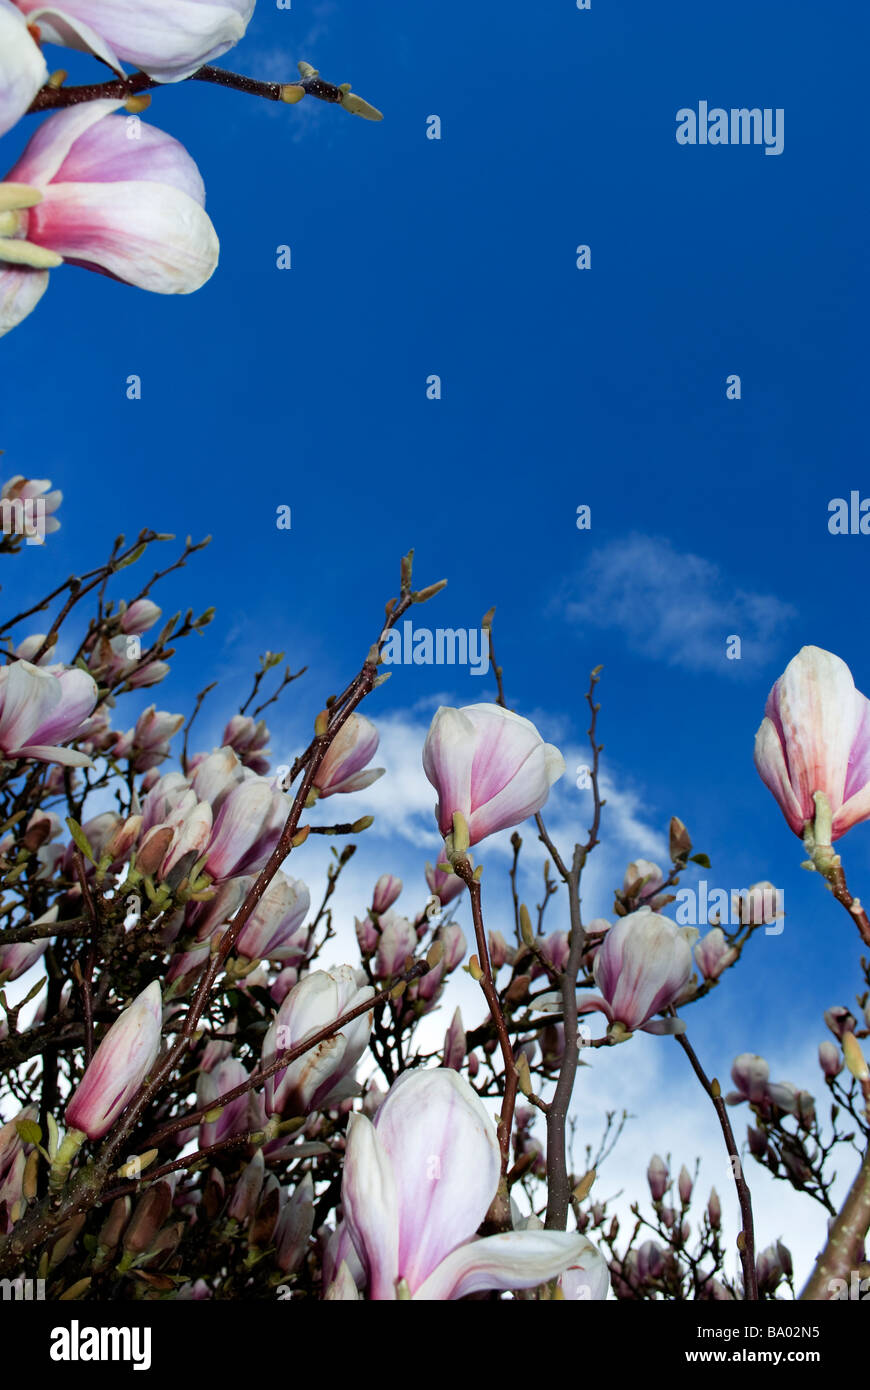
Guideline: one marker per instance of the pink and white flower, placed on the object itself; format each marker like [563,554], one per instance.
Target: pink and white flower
[815,737]
[643,964]
[41,709]
[85,193]
[274,930]
[168,39]
[324,1073]
[119,1066]
[490,765]
[343,768]
[418,1183]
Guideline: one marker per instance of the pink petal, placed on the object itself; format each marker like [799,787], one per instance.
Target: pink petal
[149,235]
[514,1260]
[22,66]
[445,1156]
[370,1203]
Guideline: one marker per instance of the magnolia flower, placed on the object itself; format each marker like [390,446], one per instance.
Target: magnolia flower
[455,1043]
[34,500]
[343,764]
[168,39]
[490,765]
[294,1226]
[22,66]
[249,738]
[643,964]
[246,830]
[140,616]
[324,1073]
[658,1177]
[815,737]
[272,932]
[187,830]
[233,1117]
[214,775]
[641,882]
[86,193]
[119,1066]
[148,741]
[40,709]
[417,1184]
[16,959]
[713,954]
[751,1075]
[397,941]
[387,890]
[445,886]
[830,1060]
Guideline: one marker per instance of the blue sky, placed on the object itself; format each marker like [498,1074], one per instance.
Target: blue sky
[307,387]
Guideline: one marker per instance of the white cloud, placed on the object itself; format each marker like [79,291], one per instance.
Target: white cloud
[672,605]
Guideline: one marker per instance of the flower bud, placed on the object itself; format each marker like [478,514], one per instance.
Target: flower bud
[657,1175]
[387,890]
[830,1060]
[119,1066]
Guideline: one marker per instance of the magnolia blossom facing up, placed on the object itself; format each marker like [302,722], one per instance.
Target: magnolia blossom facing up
[41,709]
[418,1183]
[119,1066]
[490,765]
[643,964]
[815,737]
[86,194]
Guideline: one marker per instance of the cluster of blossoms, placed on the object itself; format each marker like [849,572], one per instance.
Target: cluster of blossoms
[289,1107]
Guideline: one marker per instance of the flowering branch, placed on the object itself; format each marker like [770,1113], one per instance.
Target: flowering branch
[52,97]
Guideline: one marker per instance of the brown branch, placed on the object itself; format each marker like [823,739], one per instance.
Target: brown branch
[463,869]
[558,1177]
[746,1240]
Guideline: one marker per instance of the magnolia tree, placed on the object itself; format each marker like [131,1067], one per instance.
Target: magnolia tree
[197,1102]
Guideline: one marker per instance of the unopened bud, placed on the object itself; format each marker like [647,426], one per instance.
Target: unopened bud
[854,1057]
[524,1079]
[526,925]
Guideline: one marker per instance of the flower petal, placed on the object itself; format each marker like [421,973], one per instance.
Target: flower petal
[371,1209]
[514,1260]
[22,66]
[445,1156]
[149,235]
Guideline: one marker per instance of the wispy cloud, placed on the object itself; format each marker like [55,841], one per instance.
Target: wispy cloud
[673,606]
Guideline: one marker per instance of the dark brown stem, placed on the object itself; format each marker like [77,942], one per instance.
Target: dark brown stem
[746,1240]
[463,868]
[558,1177]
